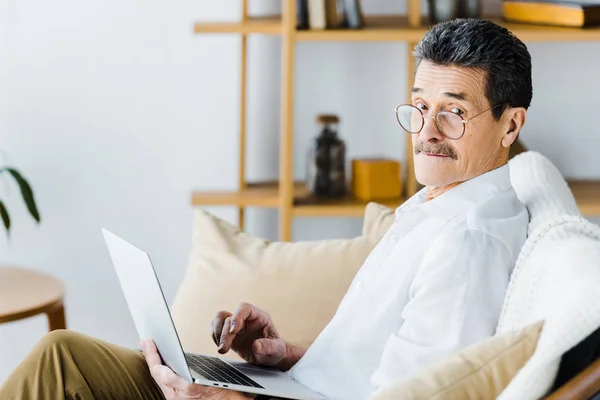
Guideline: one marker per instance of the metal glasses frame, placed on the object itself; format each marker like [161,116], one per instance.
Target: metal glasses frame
[437,123]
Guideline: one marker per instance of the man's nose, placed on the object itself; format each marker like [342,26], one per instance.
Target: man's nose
[430,131]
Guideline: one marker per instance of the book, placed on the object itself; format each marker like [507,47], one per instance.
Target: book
[341,11]
[301,14]
[562,13]
[331,13]
[316,14]
[334,15]
[353,14]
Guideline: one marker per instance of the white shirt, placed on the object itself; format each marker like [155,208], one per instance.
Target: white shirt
[434,284]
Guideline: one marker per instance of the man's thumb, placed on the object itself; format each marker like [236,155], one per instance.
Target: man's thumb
[268,351]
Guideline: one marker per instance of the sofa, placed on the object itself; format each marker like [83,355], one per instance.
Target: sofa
[546,337]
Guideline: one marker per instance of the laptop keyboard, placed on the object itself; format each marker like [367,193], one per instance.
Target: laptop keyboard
[215,369]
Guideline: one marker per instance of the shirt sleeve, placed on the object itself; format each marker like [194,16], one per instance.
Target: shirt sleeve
[454,300]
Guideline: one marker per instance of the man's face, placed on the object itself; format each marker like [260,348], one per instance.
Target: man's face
[441,161]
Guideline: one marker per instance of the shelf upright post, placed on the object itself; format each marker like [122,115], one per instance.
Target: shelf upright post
[243,111]
[414,21]
[286,162]
[414,13]
[411,179]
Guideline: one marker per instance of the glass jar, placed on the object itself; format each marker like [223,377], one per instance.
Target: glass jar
[326,163]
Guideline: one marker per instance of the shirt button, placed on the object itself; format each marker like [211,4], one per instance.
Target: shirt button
[393,239]
[359,285]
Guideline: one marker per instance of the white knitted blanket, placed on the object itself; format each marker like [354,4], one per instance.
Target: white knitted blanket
[557,275]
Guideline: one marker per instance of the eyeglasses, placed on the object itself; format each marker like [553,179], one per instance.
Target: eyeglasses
[450,124]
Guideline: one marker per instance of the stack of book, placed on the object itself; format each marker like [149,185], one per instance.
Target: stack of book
[576,13]
[329,14]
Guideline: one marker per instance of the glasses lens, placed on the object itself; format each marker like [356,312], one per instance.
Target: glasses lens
[409,118]
[450,124]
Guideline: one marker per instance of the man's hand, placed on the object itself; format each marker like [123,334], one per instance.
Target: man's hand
[174,387]
[250,332]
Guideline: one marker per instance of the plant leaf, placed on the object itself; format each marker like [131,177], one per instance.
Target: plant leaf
[26,192]
[5,217]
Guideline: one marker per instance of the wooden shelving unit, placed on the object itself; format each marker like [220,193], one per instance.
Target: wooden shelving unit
[266,195]
[391,28]
[291,198]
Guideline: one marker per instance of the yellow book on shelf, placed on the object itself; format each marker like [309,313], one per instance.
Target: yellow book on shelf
[552,13]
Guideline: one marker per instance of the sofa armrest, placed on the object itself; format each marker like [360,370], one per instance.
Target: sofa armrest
[582,387]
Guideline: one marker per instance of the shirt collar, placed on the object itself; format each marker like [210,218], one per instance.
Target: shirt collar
[461,198]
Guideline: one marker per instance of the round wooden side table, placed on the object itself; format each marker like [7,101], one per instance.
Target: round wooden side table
[25,293]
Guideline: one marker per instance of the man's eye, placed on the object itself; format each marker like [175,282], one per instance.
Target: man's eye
[457,111]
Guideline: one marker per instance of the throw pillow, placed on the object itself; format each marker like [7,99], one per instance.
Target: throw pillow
[480,371]
[300,284]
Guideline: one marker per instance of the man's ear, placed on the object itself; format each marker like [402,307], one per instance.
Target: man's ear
[516,118]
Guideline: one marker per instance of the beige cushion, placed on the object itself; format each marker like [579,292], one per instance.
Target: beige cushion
[478,372]
[299,284]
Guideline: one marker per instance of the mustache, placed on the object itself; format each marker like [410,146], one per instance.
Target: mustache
[442,149]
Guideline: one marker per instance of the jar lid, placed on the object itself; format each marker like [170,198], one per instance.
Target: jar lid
[328,119]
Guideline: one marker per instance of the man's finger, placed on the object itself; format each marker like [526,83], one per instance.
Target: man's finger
[212,332]
[226,337]
[165,375]
[271,332]
[170,381]
[218,323]
[151,353]
[242,314]
[269,351]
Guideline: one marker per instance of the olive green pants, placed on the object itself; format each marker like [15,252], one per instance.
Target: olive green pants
[69,365]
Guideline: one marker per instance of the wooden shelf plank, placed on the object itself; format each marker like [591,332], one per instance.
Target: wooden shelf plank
[263,194]
[587,195]
[377,28]
[268,25]
[307,206]
[391,28]
[257,195]
[396,28]
[266,194]
[586,192]
[348,207]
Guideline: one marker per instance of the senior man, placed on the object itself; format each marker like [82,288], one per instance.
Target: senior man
[434,284]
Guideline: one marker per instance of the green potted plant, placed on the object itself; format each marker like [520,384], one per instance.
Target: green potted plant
[26,193]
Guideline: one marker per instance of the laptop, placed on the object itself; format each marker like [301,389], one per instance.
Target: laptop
[153,320]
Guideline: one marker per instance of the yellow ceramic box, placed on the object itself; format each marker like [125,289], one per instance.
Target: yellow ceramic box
[376,179]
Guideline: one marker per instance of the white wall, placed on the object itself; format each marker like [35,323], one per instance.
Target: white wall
[115,111]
